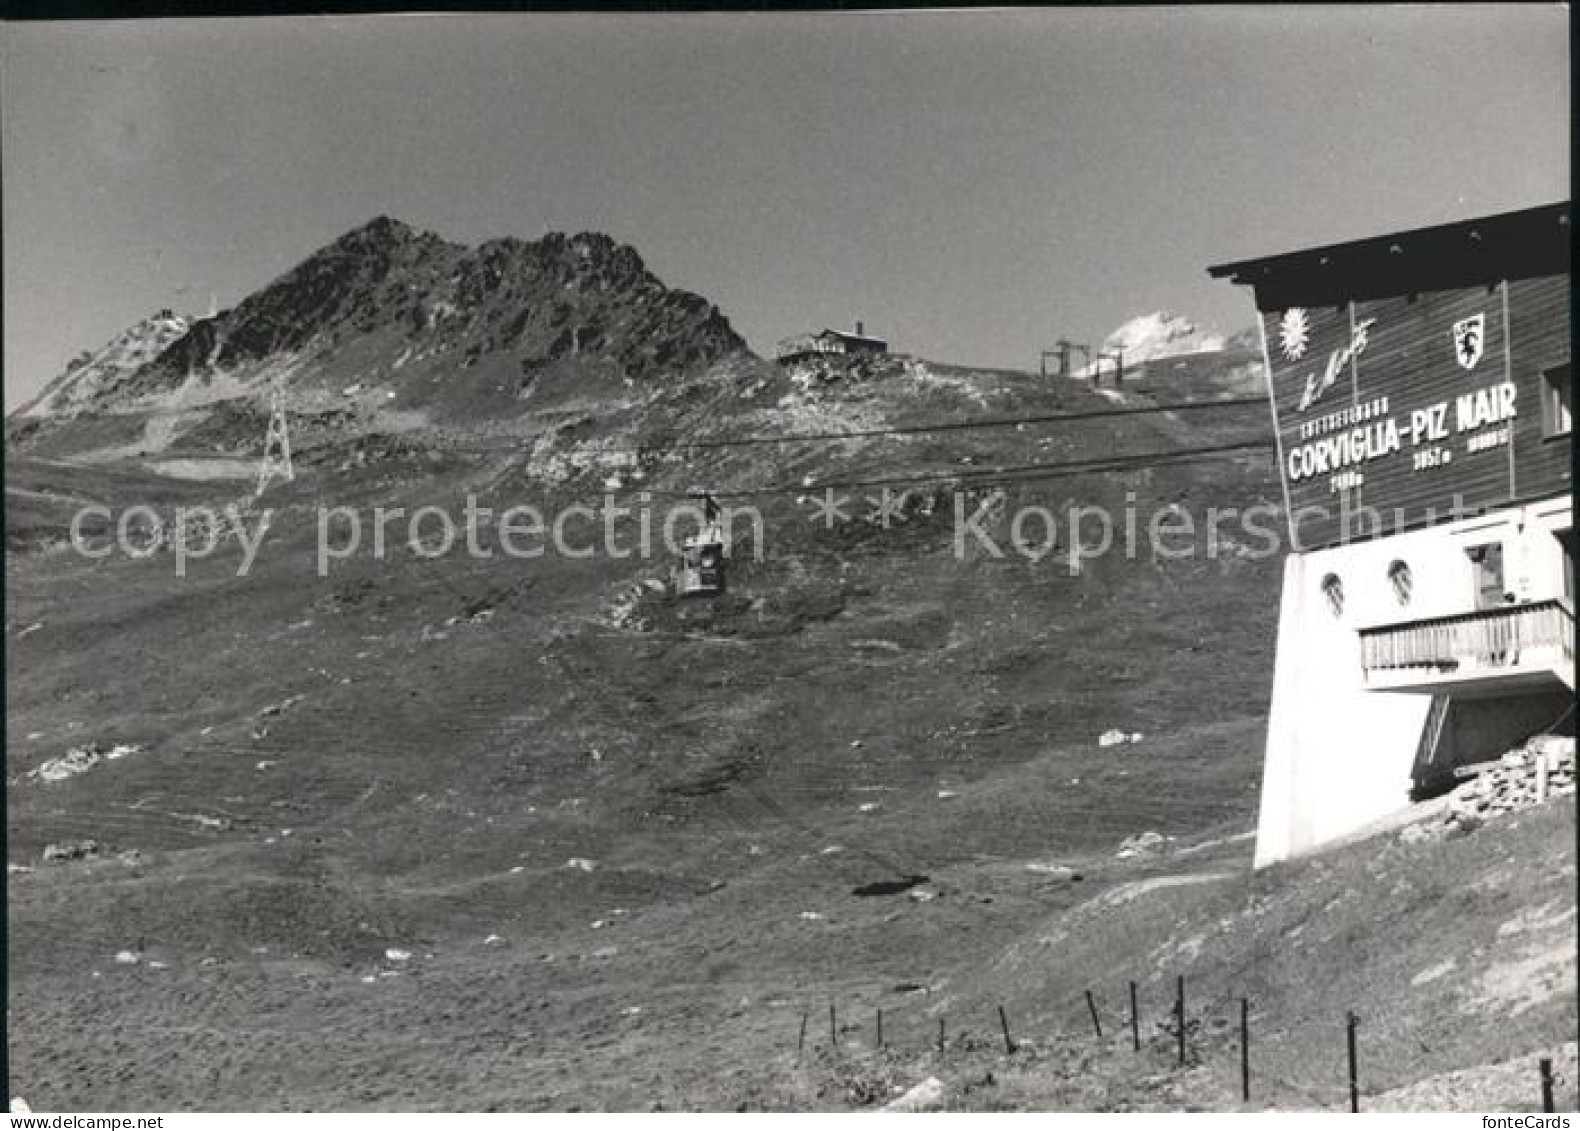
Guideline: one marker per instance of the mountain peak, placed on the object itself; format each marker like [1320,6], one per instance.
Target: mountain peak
[1163,333]
[92,371]
[380,229]
[382,237]
[470,331]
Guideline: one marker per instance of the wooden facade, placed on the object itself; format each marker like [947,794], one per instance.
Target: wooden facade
[1418,377]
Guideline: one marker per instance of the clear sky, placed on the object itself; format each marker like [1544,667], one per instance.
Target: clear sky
[973,185]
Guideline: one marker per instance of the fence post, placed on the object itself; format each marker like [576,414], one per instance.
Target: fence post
[880,1027]
[1003,1020]
[940,1035]
[1135,1021]
[800,1044]
[833,1029]
[1245,1050]
[1179,1016]
[1547,1084]
[1091,1006]
[1355,1092]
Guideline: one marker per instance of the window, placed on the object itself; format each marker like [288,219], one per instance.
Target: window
[1555,402]
[1486,563]
[1333,590]
[1399,577]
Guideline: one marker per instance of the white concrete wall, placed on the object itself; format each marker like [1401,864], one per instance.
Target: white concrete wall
[1444,578]
[1340,756]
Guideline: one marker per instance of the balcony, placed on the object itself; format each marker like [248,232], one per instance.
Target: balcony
[1488,652]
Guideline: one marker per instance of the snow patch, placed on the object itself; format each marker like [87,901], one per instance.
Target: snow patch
[1150,337]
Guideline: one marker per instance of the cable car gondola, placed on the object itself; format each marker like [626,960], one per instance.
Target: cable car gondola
[703,557]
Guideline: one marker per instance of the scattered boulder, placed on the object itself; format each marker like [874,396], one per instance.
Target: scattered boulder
[1541,769]
[1054,871]
[281,707]
[891,887]
[80,759]
[1142,844]
[70,850]
[925,1096]
[1432,973]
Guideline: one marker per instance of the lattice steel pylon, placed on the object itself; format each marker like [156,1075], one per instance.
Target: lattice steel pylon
[276,460]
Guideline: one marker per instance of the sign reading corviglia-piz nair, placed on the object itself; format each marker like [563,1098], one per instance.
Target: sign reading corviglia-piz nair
[1398,410]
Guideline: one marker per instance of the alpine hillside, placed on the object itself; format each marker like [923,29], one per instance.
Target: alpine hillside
[315,821]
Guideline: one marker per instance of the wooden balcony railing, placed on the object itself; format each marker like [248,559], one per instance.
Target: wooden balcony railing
[1537,634]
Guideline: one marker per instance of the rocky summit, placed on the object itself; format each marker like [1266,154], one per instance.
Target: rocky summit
[413,322]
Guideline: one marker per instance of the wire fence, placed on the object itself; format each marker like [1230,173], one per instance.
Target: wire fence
[1220,1045]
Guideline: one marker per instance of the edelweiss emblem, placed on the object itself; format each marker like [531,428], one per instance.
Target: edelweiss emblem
[1294,331]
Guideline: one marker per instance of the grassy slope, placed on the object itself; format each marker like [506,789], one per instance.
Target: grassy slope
[1458,957]
[428,789]
[1453,954]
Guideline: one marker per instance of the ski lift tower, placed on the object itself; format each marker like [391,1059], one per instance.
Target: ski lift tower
[276,460]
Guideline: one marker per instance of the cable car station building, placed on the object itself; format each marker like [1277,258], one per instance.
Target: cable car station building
[1420,387]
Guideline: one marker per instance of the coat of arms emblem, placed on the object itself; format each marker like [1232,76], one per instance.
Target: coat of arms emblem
[1469,335]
